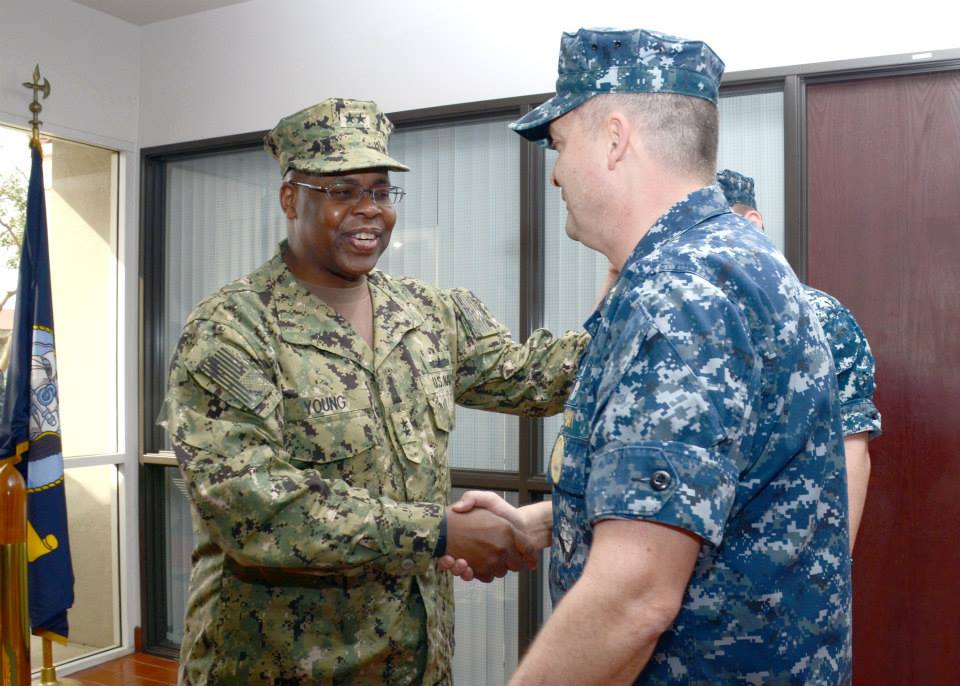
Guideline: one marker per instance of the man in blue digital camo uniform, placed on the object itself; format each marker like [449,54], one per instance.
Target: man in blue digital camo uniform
[699,498]
[851,358]
[310,405]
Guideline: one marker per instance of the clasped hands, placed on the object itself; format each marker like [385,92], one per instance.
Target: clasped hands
[487,536]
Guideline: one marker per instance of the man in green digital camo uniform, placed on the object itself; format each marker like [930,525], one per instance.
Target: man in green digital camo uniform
[310,405]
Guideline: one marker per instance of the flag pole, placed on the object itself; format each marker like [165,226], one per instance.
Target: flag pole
[14,613]
[48,673]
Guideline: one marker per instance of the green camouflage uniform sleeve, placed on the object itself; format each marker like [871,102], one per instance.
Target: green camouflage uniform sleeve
[224,415]
[494,372]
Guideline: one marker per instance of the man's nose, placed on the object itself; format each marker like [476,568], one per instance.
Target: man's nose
[365,205]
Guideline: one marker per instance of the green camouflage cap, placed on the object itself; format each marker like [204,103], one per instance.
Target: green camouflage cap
[335,135]
[597,61]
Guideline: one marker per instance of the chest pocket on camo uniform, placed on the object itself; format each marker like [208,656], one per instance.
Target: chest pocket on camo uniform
[423,428]
[438,387]
[327,429]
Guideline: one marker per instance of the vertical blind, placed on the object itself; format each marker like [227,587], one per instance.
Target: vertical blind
[223,220]
[459,226]
[751,142]
[486,626]
[179,548]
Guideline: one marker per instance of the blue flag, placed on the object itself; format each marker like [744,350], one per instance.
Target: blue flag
[30,425]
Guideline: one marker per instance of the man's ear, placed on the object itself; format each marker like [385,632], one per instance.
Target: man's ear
[288,196]
[755,217]
[618,135]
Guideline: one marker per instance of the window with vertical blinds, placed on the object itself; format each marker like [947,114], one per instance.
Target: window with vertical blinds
[458,226]
[223,220]
[486,626]
[751,142]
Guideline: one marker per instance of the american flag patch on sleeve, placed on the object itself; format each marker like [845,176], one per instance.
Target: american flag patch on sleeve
[236,376]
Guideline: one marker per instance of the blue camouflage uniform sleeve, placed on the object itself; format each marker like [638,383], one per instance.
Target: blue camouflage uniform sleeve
[674,395]
[855,372]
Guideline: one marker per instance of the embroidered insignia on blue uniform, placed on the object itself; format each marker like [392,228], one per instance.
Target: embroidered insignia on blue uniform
[556,459]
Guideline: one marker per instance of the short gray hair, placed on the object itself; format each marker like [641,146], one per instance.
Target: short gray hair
[680,131]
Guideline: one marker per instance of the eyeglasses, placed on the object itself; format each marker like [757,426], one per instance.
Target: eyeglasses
[351,193]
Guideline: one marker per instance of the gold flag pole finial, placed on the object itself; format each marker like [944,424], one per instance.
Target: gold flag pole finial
[35,106]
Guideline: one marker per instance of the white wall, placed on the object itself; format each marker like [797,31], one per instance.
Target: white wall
[91,59]
[240,68]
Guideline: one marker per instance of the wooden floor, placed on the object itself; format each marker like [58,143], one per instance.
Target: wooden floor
[133,670]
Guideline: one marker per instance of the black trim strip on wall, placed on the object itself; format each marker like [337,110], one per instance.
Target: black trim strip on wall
[532,268]
[794,190]
[153,567]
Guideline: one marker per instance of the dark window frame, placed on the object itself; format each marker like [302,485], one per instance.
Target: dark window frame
[528,481]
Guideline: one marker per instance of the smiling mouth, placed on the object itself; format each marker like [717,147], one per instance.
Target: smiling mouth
[363,241]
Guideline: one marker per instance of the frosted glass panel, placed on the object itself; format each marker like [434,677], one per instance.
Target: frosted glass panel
[459,226]
[486,626]
[93,495]
[751,142]
[223,219]
[179,548]
[573,274]
[81,192]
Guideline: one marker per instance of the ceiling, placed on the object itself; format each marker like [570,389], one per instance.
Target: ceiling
[142,12]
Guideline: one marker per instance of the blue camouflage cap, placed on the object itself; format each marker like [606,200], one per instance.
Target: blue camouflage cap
[737,188]
[597,61]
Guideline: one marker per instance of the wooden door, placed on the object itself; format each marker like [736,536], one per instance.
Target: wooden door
[884,237]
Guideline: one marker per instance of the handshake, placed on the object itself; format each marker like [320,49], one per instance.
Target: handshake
[487,536]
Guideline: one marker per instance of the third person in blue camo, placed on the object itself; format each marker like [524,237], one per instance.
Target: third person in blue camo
[852,359]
